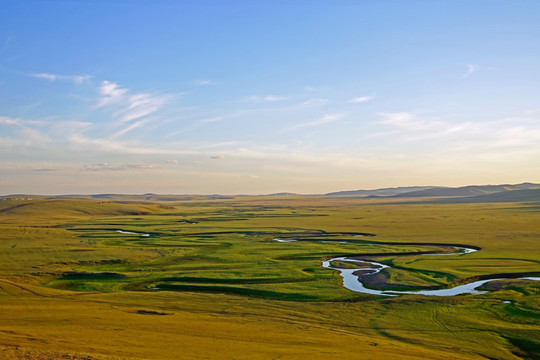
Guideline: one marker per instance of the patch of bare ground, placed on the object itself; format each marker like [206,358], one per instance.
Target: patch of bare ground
[376,281]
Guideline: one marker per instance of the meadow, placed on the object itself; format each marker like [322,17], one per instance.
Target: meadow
[206,278]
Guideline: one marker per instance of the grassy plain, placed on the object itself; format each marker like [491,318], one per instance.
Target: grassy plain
[209,281]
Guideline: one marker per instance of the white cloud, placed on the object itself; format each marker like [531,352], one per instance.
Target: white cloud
[81,142]
[310,88]
[51,77]
[121,167]
[111,93]
[132,107]
[204,82]
[4,120]
[224,144]
[140,105]
[314,102]
[361,99]
[76,79]
[503,140]
[212,119]
[398,119]
[409,121]
[79,79]
[33,137]
[328,118]
[471,68]
[268,98]
[25,135]
[127,129]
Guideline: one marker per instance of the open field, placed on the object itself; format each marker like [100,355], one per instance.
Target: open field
[206,278]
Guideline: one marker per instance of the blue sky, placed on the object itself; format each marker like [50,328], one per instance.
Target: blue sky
[252,97]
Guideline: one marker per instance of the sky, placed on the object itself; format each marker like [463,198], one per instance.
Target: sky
[258,97]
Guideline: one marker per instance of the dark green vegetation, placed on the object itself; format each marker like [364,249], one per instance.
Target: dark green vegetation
[150,271]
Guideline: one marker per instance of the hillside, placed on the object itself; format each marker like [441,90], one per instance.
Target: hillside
[503,196]
[379,192]
[472,190]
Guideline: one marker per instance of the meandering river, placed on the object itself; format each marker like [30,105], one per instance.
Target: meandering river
[352,277]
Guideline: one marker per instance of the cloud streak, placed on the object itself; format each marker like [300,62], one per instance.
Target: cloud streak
[131,106]
[4,120]
[111,93]
[25,134]
[122,167]
[409,121]
[203,82]
[471,68]
[361,99]
[76,79]
[326,119]
[267,98]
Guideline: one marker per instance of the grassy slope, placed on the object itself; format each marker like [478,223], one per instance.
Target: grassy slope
[42,241]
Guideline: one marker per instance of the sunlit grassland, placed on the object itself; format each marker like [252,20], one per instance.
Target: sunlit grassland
[210,281]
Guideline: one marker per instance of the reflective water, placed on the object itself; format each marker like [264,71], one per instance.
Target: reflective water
[132,233]
[352,281]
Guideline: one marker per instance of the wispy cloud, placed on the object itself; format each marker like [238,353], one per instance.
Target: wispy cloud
[127,129]
[81,142]
[4,120]
[410,121]
[132,106]
[361,99]
[121,167]
[328,118]
[314,102]
[267,98]
[76,79]
[203,82]
[111,93]
[471,68]
[224,144]
[496,140]
[311,88]
[140,105]
[212,119]
[25,134]
[34,136]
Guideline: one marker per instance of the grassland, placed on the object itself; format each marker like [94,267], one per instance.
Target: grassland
[205,279]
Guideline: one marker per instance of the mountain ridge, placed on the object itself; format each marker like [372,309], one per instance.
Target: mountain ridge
[392,192]
[437,191]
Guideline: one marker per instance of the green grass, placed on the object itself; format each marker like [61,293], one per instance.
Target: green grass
[214,268]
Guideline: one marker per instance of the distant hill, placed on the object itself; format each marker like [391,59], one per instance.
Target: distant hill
[472,190]
[438,191]
[500,193]
[380,192]
[503,196]
[144,197]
